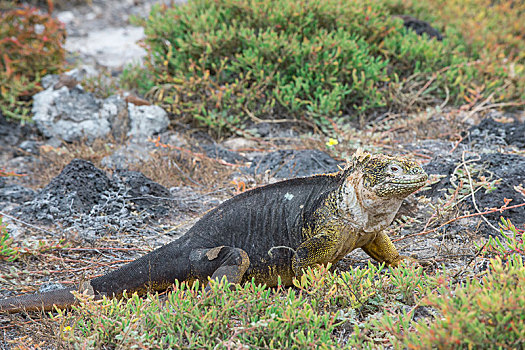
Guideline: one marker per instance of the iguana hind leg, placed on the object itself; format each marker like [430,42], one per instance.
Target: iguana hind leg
[219,262]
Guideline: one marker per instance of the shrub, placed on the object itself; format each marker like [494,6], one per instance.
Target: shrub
[511,241]
[321,312]
[490,33]
[221,63]
[30,47]
[229,316]
[484,314]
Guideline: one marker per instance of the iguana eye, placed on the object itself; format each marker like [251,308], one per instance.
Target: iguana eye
[395,169]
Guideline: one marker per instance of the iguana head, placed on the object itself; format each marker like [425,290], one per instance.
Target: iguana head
[374,187]
[387,176]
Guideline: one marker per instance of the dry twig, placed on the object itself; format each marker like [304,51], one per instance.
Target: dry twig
[490,211]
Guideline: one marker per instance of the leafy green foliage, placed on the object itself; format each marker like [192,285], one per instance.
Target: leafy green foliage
[189,318]
[221,63]
[409,283]
[477,314]
[350,289]
[489,33]
[484,311]
[30,47]
[323,304]
[7,251]
[366,307]
[511,242]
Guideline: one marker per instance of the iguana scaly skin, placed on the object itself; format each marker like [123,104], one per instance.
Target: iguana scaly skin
[270,231]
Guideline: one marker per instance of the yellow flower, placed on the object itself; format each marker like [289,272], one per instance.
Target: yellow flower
[331,142]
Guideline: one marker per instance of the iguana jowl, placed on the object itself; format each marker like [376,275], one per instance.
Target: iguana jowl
[270,231]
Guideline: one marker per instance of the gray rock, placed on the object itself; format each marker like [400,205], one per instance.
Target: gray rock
[15,228]
[15,193]
[146,194]
[50,286]
[216,151]
[420,27]
[29,146]
[49,80]
[66,16]
[83,199]
[12,132]
[507,167]
[75,190]
[293,163]
[433,148]
[54,142]
[111,47]
[491,135]
[73,114]
[131,153]
[147,120]
[82,72]
[188,199]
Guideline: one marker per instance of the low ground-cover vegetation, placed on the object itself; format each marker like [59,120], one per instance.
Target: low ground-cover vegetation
[368,306]
[486,313]
[222,63]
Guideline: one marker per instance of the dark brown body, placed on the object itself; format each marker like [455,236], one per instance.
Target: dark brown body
[303,222]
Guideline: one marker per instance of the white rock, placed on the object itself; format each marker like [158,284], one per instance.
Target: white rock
[73,114]
[82,72]
[146,121]
[66,17]
[238,143]
[111,47]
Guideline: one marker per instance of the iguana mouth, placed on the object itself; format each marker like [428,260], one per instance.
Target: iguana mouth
[405,184]
[401,186]
[421,180]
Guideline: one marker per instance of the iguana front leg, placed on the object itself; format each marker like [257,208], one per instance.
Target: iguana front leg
[382,249]
[317,250]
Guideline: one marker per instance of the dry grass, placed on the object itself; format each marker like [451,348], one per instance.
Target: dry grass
[183,167]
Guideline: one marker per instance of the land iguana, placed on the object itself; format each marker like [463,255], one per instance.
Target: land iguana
[270,231]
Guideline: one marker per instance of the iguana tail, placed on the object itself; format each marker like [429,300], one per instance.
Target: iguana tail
[61,298]
[154,271]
